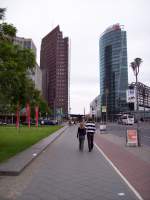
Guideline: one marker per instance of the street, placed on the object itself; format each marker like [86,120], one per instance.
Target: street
[120,130]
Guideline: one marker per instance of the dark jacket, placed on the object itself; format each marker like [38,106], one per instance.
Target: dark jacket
[81,132]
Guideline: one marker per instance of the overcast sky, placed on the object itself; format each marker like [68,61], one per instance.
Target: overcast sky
[83,21]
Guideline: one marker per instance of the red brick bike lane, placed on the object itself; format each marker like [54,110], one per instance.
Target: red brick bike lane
[135,170]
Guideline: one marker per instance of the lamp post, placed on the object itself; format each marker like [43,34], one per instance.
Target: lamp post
[135,65]
[106,94]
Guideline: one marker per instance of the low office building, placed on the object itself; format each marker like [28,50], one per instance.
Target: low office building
[36,76]
[95,111]
[142,104]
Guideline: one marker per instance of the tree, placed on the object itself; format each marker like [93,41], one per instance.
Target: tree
[135,65]
[16,87]
[8,31]
[2,13]
[43,107]
[15,62]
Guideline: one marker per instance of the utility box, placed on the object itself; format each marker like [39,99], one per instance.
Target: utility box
[102,128]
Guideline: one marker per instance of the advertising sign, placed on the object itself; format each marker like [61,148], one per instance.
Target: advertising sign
[132,139]
[93,112]
[104,109]
[131,96]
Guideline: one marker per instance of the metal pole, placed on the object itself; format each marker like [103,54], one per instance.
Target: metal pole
[137,110]
[106,93]
[106,108]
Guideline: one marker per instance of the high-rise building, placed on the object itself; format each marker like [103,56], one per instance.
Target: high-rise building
[55,73]
[113,69]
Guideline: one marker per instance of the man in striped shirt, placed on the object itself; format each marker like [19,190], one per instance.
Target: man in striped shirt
[90,130]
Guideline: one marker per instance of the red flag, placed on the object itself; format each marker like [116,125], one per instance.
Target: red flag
[36,115]
[17,117]
[28,114]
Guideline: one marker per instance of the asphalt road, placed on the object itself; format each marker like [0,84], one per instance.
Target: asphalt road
[120,130]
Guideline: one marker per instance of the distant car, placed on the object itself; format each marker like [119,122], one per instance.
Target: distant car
[48,122]
[32,122]
[3,123]
[126,119]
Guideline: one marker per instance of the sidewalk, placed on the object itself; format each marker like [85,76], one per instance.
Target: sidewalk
[132,162]
[61,172]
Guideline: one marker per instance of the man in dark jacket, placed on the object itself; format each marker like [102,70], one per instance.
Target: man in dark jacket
[90,130]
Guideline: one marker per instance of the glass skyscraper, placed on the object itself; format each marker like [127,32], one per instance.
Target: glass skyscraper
[113,69]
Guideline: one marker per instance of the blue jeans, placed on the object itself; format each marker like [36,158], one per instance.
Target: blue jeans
[90,138]
[81,143]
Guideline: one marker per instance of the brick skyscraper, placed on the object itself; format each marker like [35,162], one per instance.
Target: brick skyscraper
[54,65]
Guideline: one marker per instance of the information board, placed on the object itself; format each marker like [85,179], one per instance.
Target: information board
[132,137]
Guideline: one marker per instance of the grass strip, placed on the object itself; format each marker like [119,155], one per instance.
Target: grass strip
[13,141]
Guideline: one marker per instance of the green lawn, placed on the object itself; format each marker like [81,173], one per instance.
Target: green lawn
[13,141]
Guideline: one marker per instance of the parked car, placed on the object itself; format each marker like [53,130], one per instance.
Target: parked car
[126,119]
[3,123]
[32,122]
[48,122]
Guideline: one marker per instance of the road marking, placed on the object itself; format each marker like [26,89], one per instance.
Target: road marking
[146,137]
[119,173]
[121,194]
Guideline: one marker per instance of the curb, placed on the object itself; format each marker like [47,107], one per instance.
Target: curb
[15,165]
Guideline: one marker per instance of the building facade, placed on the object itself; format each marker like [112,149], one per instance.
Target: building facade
[143,96]
[95,111]
[37,75]
[55,71]
[113,69]
[25,43]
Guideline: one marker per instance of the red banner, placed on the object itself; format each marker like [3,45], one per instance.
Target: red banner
[17,117]
[37,115]
[28,114]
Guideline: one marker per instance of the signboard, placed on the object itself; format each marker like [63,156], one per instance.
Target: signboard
[131,96]
[102,127]
[103,108]
[93,112]
[132,138]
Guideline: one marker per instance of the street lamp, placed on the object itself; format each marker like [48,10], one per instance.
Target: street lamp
[106,94]
[135,65]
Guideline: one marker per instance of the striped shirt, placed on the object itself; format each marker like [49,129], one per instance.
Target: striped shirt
[90,127]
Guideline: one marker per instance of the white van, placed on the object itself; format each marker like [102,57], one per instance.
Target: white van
[127,119]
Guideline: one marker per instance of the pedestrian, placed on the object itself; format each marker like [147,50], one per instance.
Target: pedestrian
[90,131]
[81,135]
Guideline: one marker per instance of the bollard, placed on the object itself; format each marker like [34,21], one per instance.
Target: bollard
[139,136]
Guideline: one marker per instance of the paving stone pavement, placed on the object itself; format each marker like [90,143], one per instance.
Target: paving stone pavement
[61,172]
